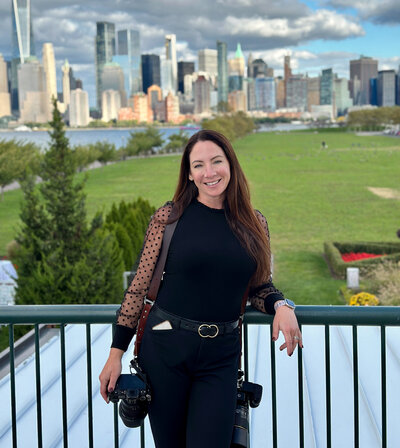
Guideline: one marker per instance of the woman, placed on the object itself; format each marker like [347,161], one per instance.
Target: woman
[219,249]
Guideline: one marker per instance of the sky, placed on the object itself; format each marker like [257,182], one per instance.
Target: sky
[317,34]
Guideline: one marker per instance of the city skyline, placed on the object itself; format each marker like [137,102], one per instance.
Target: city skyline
[317,34]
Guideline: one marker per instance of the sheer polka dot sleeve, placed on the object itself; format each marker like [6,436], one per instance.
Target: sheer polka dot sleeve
[263,297]
[132,304]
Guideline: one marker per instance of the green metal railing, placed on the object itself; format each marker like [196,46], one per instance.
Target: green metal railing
[307,315]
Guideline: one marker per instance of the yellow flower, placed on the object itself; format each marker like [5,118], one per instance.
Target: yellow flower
[363,299]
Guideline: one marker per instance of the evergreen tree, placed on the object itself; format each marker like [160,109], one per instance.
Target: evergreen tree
[61,259]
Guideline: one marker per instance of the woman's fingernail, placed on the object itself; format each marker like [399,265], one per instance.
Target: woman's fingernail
[111,389]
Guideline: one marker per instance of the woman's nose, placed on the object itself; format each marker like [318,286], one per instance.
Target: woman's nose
[210,171]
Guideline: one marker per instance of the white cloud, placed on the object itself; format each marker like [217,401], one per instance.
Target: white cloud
[378,11]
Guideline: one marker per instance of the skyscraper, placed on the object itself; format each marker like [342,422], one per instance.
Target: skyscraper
[33,100]
[5,104]
[23,45]
[66,84]
[170,55]
[104,52]
[128,57]
[236,68]
[79,108]
[296,92]
[112,78]
[256,67]
[184,68]
[313,92]
[201,95]
[361,71]
[150,70]
[49,65]
[208,61]
[326,92]
[342,95]
[386,88]
[265,94]
[222,72]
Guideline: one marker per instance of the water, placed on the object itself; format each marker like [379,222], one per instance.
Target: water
[82,137]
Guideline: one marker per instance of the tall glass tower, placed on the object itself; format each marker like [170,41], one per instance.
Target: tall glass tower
[104,52]
[222,72]
[23,45]
[170,55]
[129,58]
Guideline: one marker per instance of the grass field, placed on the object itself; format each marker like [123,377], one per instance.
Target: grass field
[308,194]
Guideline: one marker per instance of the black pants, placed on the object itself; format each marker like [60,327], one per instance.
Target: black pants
[193,381]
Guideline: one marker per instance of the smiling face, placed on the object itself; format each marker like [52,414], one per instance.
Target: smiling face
[210,172]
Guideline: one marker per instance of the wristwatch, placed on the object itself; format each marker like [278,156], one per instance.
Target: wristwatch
[287,302]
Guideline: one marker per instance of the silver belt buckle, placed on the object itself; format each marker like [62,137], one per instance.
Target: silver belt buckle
[209,327]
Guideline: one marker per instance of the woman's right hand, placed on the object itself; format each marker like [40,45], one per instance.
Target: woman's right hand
[110,373]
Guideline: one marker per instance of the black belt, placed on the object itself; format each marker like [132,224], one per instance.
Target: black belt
[205,330]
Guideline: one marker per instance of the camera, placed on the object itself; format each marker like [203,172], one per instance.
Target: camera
[135,396]
[247,394]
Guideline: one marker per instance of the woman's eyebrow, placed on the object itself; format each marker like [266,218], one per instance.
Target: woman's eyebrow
[197,161]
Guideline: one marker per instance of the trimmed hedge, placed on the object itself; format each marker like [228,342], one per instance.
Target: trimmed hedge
[333,251]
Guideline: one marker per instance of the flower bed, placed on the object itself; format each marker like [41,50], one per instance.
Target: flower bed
[383,251]
[354,256]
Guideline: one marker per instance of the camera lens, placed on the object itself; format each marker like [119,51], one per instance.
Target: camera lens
[132,414]
[240,437]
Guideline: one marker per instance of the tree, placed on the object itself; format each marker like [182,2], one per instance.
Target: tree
[176,142]
[61,258]
[143,142]
[16,159]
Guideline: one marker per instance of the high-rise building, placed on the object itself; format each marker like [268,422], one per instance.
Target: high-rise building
[280,92]
[296,92]
[313,92]
[33,100]
[154,95]
[398,87]
[23,45]
[342,95]
[287,71]
[170,55]
[171,108]
[166,77]
[66,84]
[386,88]
[110,105]
[201,93]
[129,59]
[208,61]
[184,68]
[256,67]
[104,52]
[237,101]
[5,103]
[361,71]
[112,78]
[326,92]
[150,70]
[265,94]
[79,108]
[49,65]
[236,67]
[142,111]
[222,72]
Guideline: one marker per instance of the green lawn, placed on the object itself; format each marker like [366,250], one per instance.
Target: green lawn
[308,194]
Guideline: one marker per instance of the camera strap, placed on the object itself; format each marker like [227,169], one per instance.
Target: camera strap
[241,318]
[156,279]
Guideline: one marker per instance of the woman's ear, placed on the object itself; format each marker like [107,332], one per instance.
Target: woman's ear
[190,177]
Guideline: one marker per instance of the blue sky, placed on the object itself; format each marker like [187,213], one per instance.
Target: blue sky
[317,34]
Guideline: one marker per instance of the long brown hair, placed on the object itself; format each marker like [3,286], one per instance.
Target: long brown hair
[238,210]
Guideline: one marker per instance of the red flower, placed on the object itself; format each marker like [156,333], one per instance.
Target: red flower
[353,256]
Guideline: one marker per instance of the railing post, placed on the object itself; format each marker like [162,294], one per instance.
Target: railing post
[38,387]
[12,384]
[383,385]
[64,386]
[273,394]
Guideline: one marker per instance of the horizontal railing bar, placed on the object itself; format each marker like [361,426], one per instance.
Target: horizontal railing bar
[306,314]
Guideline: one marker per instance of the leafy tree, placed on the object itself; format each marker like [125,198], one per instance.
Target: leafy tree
[143,142]
[176,142]
[16,160]
[107,152]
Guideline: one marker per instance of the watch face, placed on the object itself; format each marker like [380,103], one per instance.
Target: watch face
[290,303]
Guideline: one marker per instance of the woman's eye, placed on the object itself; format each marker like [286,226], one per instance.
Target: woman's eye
[197,166]
[217,161]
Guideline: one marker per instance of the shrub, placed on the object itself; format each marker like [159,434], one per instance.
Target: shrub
[363,299]
[384,280]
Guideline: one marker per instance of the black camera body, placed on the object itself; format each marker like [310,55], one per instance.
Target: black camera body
[134,393]
[247,394]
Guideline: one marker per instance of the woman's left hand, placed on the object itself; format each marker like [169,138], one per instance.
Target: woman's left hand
[285,320]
